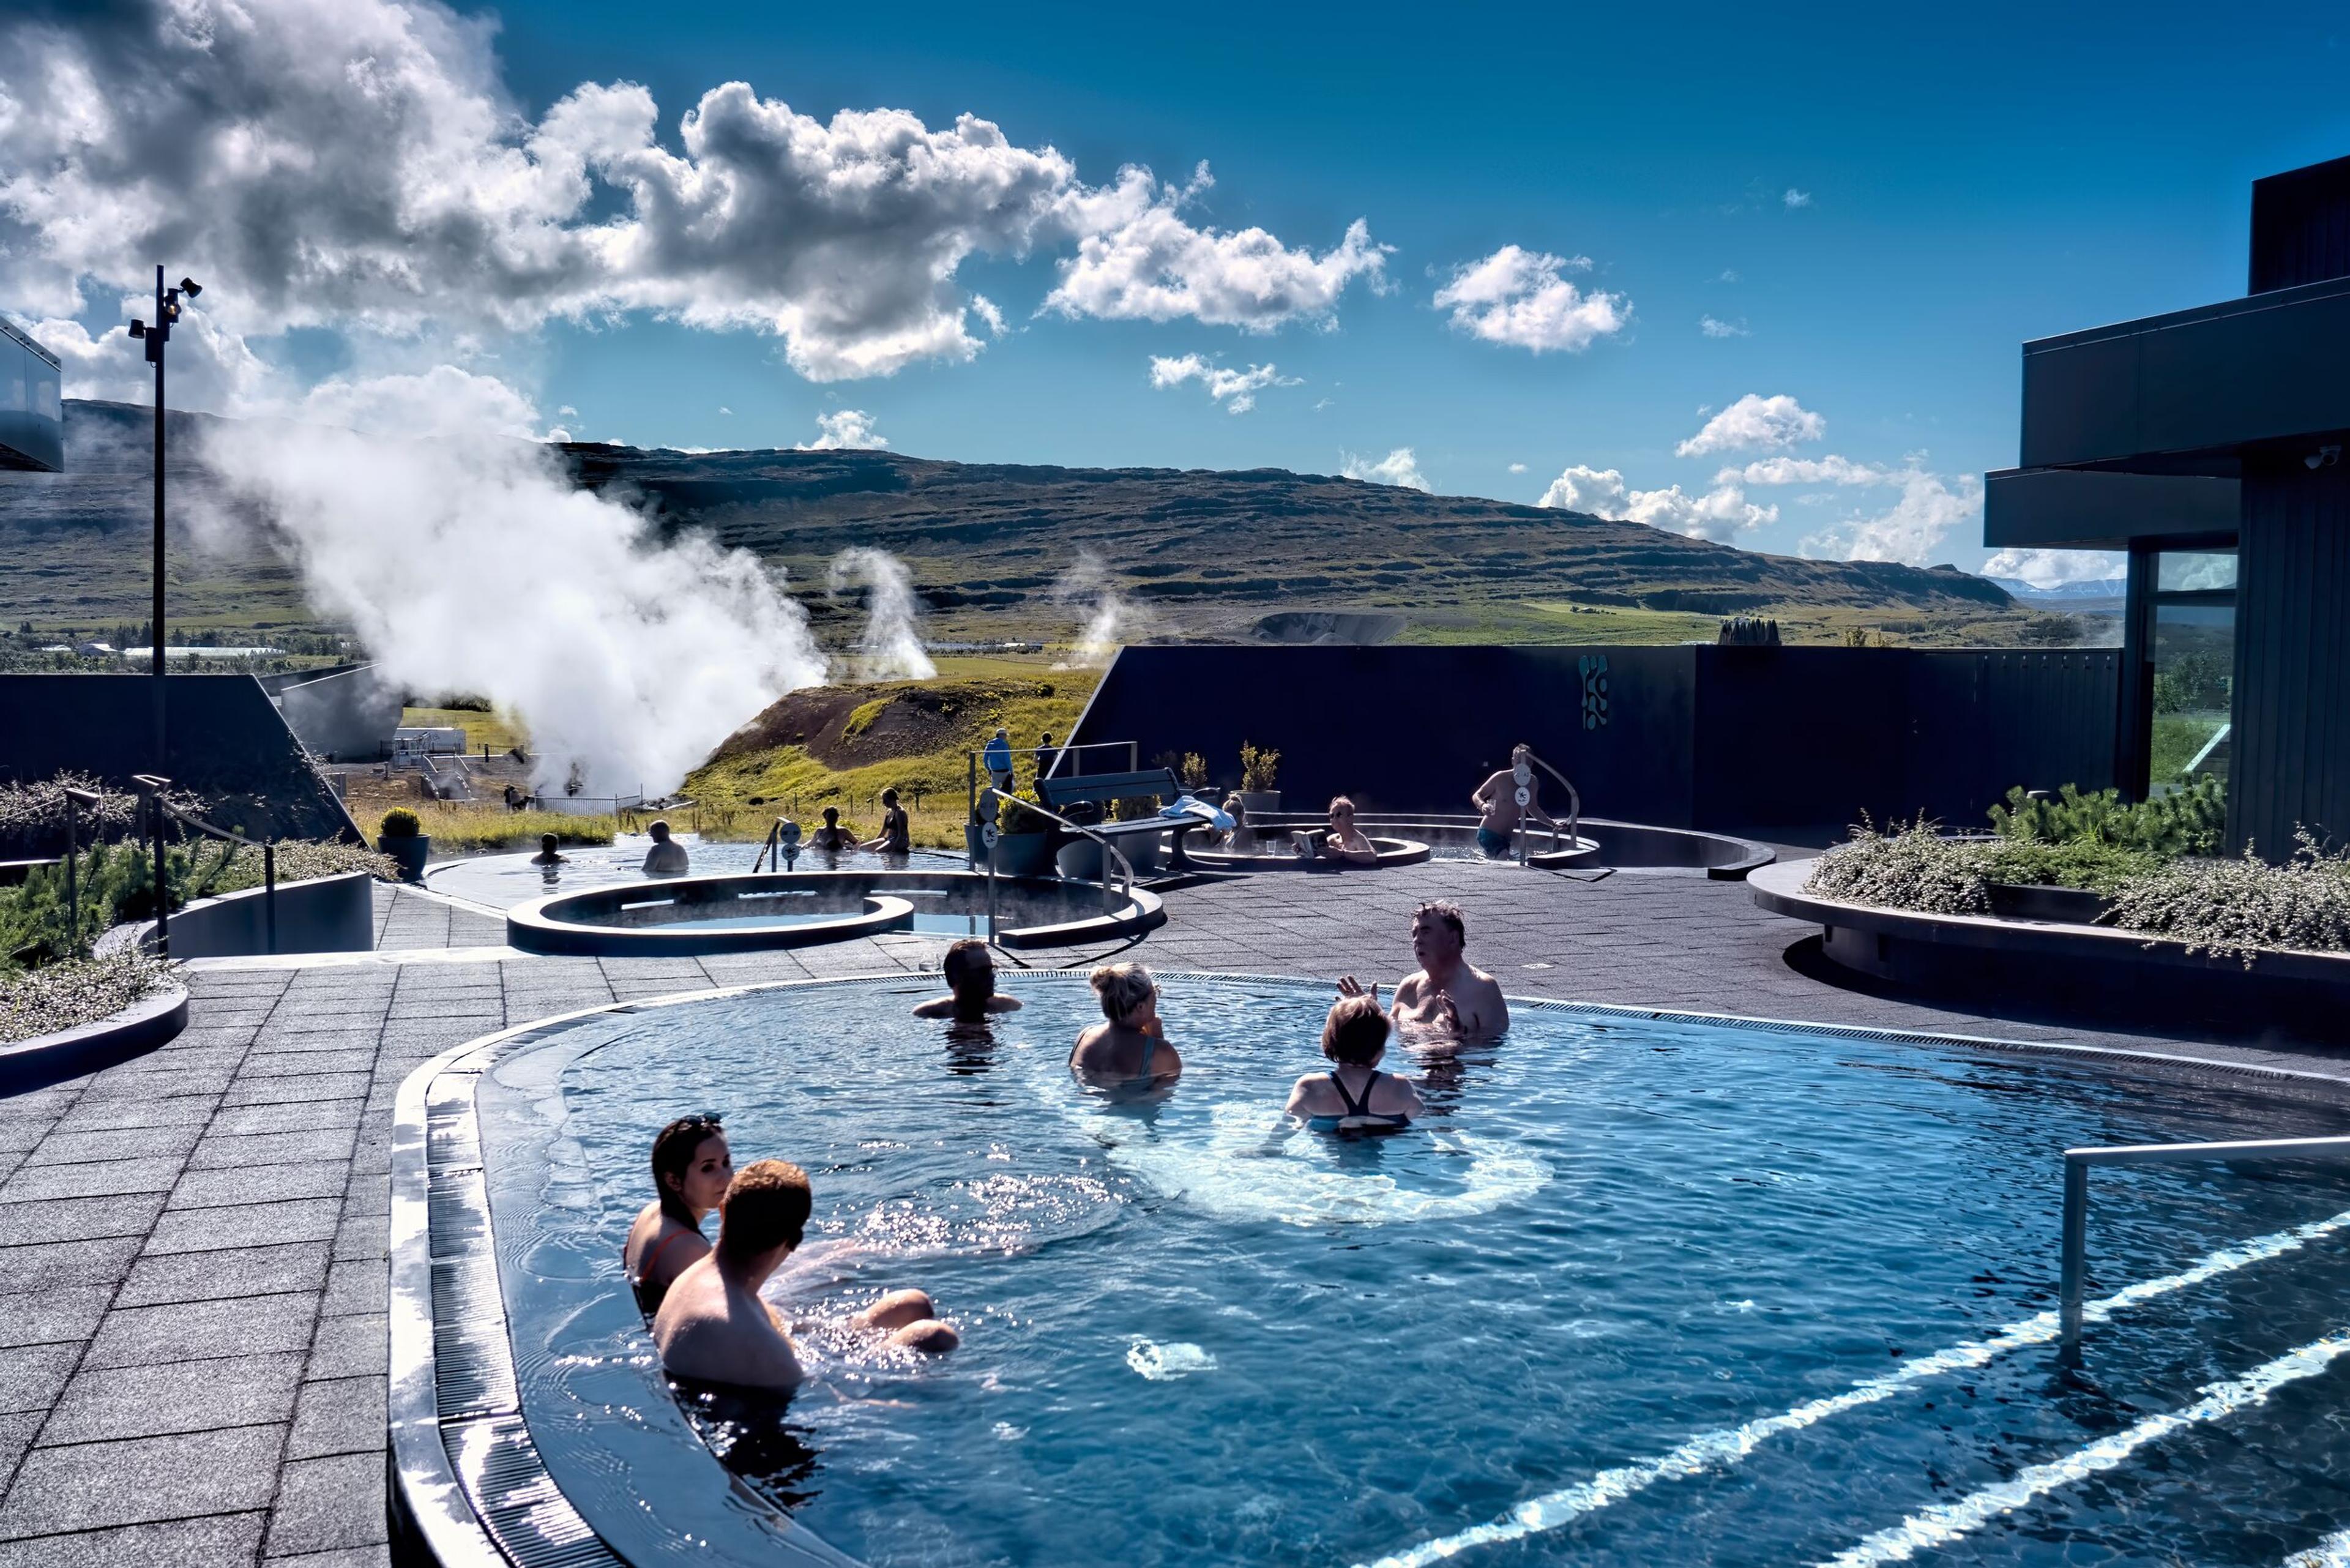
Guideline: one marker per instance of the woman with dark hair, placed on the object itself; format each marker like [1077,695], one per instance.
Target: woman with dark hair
[691,1167]
[1353,1096]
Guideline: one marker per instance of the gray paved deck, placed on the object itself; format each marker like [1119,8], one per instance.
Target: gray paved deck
[191,1338]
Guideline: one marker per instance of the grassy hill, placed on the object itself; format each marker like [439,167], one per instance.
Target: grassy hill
[1206,555]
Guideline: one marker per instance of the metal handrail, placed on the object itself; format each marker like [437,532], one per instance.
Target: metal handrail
[153,787]
[1573,810]
[970,765]
[2072,1279]
[1109,852]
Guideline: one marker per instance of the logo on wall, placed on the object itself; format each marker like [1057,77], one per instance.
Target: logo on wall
[1594,690]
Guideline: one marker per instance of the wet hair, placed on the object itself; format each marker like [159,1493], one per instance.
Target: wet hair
[1356,1033]
[546,843]
[831,814]
[659,832]
[1122,987]
[1339,800]
[1446,910]
[766,1206]
[961,958]
[674,1147]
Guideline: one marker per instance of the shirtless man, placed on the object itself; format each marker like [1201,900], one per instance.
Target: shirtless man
[713,1327]
[970,975]
[1497,800]
[1447,994]
[896,838]
[667,858]
[831,838]
[1345,842]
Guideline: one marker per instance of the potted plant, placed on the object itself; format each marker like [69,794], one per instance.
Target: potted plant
[1259,768]
[1024,841]
[401,836]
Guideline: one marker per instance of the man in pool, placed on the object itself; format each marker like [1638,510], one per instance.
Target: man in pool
[970,974]
[667,858]
[713,1327]
[548,855]
[1447,996]
[896,838]
[1496,800]
[831,838]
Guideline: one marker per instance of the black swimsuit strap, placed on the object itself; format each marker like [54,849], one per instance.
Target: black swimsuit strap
[1355,1107]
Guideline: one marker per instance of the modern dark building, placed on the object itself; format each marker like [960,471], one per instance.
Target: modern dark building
[2209,444]
[32,404]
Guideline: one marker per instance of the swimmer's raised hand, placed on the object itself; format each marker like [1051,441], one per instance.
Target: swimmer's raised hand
[1349,986]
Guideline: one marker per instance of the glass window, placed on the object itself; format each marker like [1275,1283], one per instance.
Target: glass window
[2193,653]
[2195,571]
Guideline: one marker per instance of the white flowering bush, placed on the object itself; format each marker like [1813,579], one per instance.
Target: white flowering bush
[2234,909]
[80,991]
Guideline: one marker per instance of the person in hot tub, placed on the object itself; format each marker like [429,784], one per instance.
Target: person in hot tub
[970,974]
[1353,1096]
[831,838]
[549,854]
[714,1327]
[1345,842]
[1129,1052]
[691,1169]
[667,858]
[896,838]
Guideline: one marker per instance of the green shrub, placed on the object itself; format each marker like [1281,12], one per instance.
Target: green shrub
[399,823]
[68,995]
[32,816]
[2235,908]
[2191,820]
[1258,767]
[2082,863]
[1911,867]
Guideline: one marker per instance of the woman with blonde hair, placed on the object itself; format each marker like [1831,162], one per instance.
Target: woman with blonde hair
[1129,1049]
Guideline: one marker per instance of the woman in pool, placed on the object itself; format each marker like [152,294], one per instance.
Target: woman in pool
[1353,1096]
[691,1167]
[1131,1050]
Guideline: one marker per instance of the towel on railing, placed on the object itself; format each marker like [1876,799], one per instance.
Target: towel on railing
[1208,812]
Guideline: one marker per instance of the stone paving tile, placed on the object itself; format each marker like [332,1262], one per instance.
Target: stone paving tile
[32,1377]
[125,1116]
[339,1416]
[17,1432]
[210,1543]
[78,1219]
[288,1117]
[356,1285]
[186,1331]
[297,1090]
[260,1184]
[310,1063]
[177,1396]
[97,1260]
[52,1314]
[328,1504]
[206,1229]
[138,1480]
[40,1182]
[241,1271]
[227,1151]
[350,1346]
[362,1236]
[74,1148]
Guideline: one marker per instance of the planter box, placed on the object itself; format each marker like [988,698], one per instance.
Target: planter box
[411,853]
[2067,906]
[1023,855]
[1260,802]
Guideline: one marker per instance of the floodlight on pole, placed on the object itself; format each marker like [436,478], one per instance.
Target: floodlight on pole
[155,336]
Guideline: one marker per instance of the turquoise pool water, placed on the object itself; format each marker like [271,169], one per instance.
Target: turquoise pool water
[1638,1291]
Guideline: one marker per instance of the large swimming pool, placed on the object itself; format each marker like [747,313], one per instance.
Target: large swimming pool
[1639,1291]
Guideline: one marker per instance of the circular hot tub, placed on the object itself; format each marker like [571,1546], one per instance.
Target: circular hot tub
[691,916]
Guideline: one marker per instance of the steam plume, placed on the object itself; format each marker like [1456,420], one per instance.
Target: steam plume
[891,646]
[1111,617]
[473,564]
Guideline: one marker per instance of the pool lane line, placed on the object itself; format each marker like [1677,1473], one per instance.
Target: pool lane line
[1725,1447]
[1946,1523]
[2334,1552]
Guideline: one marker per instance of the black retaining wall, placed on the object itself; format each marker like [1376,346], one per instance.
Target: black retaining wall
[226,743]
[1792,744]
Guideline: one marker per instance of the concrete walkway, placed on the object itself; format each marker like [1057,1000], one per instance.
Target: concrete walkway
[191,1338]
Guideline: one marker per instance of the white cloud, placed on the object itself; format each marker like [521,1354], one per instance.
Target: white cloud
[1755,421]
[2054,568]
[1930,508]
[1399,467]
[1796,198]
[1729,275]
[1138,259]
[1828,469]
[1714,327]
[1516,296]
[1236,390]
[722,408]
[844,429]
[443,401]
[361,165]
[1517,468]
[1720,514]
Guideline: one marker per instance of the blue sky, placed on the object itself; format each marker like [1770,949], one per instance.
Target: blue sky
[1968,179]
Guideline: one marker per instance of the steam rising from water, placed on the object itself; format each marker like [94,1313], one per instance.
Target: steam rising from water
[473,564]
[891,646]
[1111,617]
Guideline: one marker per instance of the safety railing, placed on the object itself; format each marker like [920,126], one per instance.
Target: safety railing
[1114,893]
[782,850]
[2073,1280]
[1133,749]
[160,811]
[1525,778]
[74,800]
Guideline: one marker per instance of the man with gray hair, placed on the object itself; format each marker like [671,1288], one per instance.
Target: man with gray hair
[1447,996]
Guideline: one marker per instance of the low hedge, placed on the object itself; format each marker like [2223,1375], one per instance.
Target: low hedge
[68,995]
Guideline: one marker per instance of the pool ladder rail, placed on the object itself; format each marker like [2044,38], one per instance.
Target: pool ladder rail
[1524,776]
[1115,890]
[2074,1279]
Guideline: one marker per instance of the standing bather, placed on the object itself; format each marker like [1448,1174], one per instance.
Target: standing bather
[691,1167]
[1129,1051]
[1496,801]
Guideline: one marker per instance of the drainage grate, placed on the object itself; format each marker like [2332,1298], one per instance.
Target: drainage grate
[526,1513]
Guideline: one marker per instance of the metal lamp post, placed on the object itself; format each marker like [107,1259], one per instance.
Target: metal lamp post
[156,335]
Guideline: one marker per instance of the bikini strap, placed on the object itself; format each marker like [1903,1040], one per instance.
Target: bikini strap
[645,1269]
